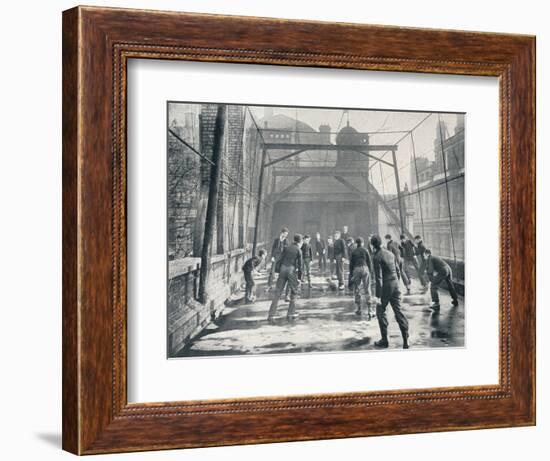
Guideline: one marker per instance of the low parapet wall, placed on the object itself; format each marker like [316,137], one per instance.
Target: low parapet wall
[187,317]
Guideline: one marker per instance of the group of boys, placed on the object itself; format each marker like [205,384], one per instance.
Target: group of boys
[369,264]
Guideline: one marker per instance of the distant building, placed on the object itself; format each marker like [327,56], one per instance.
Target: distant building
[429,194]
[393,227]
[319,203]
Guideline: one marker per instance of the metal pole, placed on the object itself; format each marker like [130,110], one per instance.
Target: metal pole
[418,186]
[212,207]
[259,201]
[399,197]
[447,189]
[368,204]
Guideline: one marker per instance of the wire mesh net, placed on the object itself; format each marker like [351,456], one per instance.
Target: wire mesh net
[409,166]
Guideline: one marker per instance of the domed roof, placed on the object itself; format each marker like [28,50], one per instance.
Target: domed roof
[349,136]
[347,129]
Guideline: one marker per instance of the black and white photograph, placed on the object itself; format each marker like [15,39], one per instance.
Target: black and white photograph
[313,229]
[248,230]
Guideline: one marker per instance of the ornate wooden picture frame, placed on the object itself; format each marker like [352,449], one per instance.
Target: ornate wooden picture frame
[97,44]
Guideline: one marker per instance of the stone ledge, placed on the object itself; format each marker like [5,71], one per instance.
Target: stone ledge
[182,266]
[177,267]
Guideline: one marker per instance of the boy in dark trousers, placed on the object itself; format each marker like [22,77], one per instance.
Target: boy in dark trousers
[438,272]
[248,268]
[320,251]
[386,275]
[408,251]
[279,244]
[330,254]
[360,266]
[420,249]
[340,255]
[307,256]
[290,272]
[395,249]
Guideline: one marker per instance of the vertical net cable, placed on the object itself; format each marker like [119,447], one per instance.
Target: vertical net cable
[447,188]
[417,184]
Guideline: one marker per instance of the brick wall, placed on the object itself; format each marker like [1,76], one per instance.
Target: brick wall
[234,166]
[183,169]
[186,316]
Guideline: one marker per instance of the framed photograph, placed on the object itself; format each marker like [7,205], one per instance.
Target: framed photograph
[282,230]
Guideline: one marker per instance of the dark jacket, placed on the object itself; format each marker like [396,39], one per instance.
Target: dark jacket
[420,249]
[251,264]
[307,252]
[278,247]
[369,248]
[408,250]
[394,248]
[386,269]
[340,248]
[346,237]
[436,265]
[330,251]
[360,257]
[292,256]
[319,246]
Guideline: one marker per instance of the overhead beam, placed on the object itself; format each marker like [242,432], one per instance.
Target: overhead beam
[313,146]
[280,195]
[317,171]
[299,151]
[285,157]
[374,157]
[347,196]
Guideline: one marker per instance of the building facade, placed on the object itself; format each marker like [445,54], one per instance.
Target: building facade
[437,195]
[320,203]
